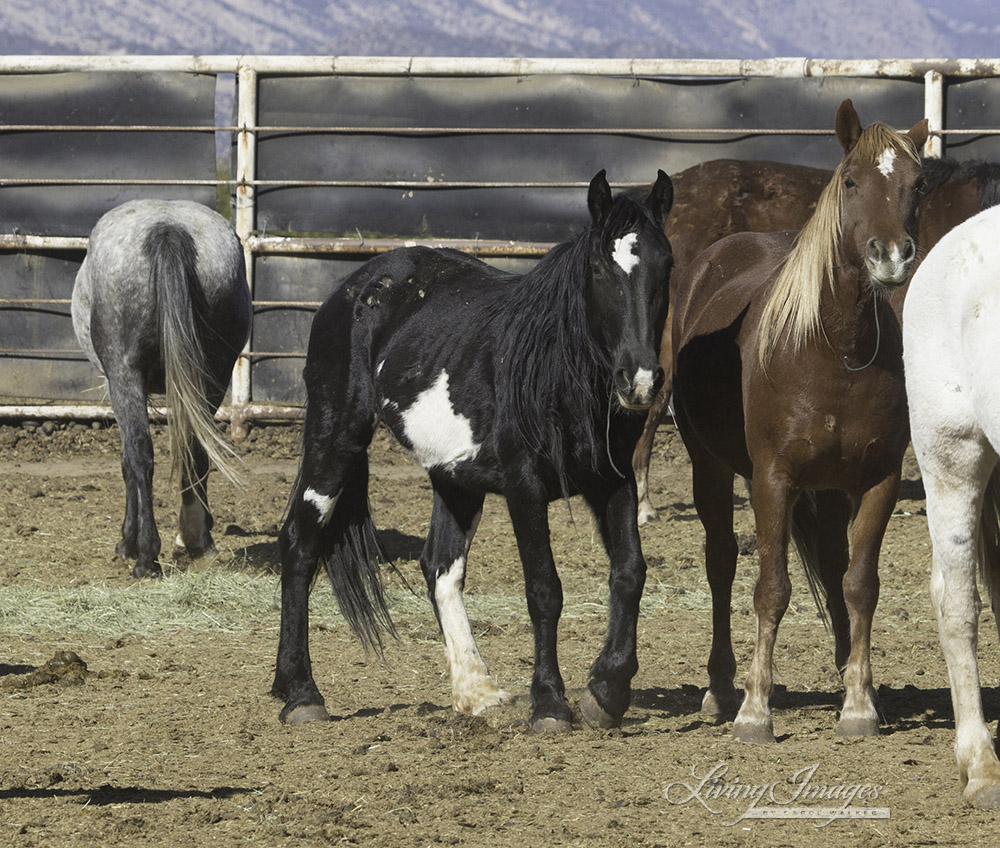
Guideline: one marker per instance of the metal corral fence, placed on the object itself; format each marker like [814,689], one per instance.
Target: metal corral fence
[324,161]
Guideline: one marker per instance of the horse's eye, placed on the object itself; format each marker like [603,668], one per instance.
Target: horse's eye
[849,183]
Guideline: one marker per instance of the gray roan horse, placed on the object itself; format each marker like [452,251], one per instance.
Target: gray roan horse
[161,305]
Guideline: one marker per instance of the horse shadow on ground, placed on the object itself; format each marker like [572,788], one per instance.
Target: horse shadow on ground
[266,556]
[107,794]
[901,709]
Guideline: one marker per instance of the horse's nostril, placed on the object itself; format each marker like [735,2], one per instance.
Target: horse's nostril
[658,377]
[622,381]
[875,249]
[909,250]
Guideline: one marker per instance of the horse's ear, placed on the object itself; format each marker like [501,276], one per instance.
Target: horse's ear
[661,198]
[848,126]
[599,197]
[918,135]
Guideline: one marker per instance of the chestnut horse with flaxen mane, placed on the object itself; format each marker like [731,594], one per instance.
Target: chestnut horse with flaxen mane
[788,371]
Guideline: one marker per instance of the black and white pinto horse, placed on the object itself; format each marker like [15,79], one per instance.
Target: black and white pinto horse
[529,386]
[161,305]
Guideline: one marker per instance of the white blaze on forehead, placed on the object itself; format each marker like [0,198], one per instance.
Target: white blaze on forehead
[624,252]
[323,503]
[885,161]
[439,435]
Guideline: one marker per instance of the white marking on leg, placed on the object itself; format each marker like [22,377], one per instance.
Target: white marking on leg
[439,435]
[324,504]
[624,252]
[472,688]
[885,161]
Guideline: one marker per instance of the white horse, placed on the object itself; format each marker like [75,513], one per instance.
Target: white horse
[951,339]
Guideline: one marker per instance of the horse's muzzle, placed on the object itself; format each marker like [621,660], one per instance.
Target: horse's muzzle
[890,264]
[639,390]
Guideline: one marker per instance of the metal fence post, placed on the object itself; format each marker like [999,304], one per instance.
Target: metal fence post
[246,173]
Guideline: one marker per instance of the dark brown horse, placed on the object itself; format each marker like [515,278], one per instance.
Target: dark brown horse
[725,196]
[788,371]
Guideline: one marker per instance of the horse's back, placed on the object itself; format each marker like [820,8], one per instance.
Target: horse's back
[716,198]
[718,286]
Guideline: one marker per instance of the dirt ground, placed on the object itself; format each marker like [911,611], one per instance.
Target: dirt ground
[170,737]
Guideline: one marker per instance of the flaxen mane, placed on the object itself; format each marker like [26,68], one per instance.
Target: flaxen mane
[792,309]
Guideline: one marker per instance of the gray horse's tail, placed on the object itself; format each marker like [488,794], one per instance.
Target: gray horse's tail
[181,319]
[989,540]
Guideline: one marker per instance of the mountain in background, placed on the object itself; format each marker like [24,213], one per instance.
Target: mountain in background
[745,29]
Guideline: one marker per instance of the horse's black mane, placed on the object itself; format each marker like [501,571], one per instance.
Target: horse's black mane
[554,381]
[936,172]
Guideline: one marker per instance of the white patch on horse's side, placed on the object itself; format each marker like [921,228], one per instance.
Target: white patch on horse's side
[624,252]
[885,161]
[439,435]
[472,688]
[323,503]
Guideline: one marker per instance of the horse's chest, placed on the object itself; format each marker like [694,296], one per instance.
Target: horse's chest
[852,439]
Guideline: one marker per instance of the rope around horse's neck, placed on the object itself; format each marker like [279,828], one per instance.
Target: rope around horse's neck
[607,438]
[878,339]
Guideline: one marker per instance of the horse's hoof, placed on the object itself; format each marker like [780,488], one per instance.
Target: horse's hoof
[858,727]
[550,724]
[305,714]
[594,715]
[141,570]
[984,798]
[716,704]
[753,734]
[647,513]
[123,550]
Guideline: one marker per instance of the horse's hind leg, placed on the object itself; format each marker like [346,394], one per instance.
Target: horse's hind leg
[453,524]
[954,504]
[643,453]
[334,466]
[140,540]
[833,511]
[195,522]
[712,485]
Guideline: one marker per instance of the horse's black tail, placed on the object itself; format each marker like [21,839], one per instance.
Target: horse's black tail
[805,535]
[989,540]
[353,557]
[180,314]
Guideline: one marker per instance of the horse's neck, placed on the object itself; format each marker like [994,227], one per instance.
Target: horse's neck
[848,312]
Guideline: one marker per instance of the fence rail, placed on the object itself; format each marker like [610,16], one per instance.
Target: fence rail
[248,71]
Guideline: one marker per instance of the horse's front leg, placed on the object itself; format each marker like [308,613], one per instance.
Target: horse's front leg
[608,693]
[528,509]
[859,716]
[772,500]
